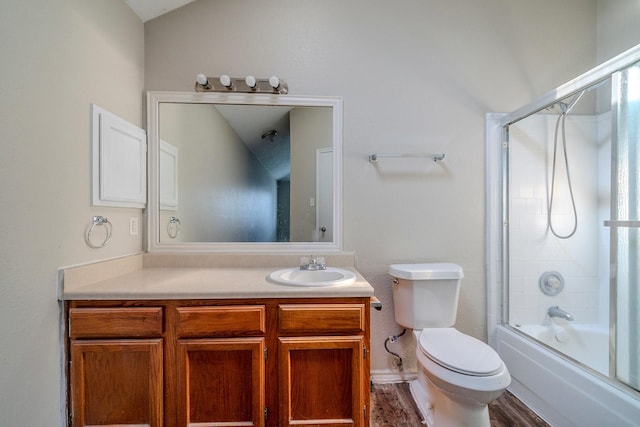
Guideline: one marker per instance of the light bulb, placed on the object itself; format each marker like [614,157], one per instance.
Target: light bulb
[250,81]
[274,82]
[225,80]
[202,79]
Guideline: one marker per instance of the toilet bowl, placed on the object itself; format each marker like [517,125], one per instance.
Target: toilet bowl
[458,375]
[455,384]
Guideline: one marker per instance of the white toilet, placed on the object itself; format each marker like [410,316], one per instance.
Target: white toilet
[458,375]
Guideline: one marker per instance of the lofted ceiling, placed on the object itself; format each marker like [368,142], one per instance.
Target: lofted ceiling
[250,122]
[149,9]
[273,153]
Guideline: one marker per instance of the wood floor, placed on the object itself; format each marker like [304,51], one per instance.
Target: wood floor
[393,406]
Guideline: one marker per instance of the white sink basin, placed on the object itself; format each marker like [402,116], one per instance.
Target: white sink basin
[312,278]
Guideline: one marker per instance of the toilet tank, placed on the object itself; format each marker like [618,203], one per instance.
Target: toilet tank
[426,295]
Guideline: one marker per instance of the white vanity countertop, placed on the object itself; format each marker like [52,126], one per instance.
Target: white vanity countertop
[133,278]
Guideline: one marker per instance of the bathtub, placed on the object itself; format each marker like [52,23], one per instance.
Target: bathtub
[587,344]
[560,391]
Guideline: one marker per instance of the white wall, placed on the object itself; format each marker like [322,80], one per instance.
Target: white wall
[415,76]
[57,58]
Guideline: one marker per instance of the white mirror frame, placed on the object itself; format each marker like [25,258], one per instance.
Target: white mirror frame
[154,99]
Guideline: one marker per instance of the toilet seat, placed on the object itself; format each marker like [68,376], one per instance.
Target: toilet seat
[458,352]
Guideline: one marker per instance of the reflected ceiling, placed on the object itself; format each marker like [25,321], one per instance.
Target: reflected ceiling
[149,9]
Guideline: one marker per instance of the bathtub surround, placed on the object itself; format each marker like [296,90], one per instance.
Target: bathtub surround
[587,345]
[586,400]
[573,397]
[534,250]
[592,376]
[467,57]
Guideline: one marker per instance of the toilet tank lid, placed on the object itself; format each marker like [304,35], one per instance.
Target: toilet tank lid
[426,271]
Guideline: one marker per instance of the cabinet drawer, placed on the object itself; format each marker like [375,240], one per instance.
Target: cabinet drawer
[319,318]
[115,322]
[220,321]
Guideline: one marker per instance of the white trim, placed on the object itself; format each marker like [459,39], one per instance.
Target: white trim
[153,221]
[493,229]
[387,376]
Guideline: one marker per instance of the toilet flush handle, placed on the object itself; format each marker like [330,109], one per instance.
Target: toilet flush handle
[395,281]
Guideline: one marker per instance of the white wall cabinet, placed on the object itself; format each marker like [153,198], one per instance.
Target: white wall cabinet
[119,157]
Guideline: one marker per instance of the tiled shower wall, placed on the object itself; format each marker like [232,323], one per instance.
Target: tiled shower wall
[581,259]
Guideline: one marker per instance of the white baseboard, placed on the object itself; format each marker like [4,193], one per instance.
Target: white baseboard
[383,376]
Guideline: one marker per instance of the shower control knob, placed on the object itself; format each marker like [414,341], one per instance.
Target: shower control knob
[551,283]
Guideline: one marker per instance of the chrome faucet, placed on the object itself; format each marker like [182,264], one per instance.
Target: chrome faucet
[312,263]
[556,311]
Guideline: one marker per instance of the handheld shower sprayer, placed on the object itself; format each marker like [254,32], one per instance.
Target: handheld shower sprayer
[566,108]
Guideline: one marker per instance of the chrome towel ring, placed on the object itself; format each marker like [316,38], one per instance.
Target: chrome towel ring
[173,227]
[99,221]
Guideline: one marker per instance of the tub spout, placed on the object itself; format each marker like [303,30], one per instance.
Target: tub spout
[556,311]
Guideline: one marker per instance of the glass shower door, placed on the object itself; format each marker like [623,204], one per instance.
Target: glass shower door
[625,227]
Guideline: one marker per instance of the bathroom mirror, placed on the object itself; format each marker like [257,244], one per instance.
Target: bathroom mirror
[244,172]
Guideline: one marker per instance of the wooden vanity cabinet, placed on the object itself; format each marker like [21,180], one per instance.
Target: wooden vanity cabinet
[220,365]
[116,367]
[323,364]
[262,362]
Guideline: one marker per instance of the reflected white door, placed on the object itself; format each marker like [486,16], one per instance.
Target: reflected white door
[324,194]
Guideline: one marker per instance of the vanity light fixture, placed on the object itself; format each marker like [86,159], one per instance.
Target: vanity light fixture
[274,81]
[203,81]
[226,82]
[249,84]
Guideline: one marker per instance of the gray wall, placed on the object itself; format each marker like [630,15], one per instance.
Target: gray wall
[618,28]
[311,129]
[57,58]
[218,178]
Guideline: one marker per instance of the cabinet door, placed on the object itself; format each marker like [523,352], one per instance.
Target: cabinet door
[116,382]
[221,382]
[321,381]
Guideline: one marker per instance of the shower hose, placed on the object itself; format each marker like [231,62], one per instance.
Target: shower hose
[560,125]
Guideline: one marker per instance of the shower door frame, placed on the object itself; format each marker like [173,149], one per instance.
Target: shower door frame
[606,70]
[572,87]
